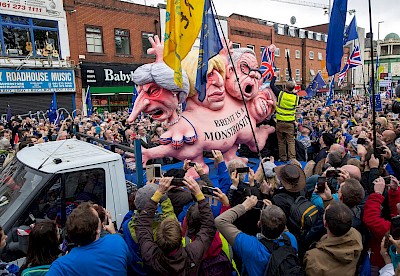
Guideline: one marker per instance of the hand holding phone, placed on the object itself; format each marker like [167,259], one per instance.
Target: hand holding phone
[321,184]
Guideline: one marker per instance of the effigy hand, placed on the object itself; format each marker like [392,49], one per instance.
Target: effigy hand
[157,48]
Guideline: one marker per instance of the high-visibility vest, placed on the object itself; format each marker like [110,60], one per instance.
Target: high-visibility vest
[286,106]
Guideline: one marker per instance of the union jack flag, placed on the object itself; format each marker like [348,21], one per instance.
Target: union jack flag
[267,64]
[353,61]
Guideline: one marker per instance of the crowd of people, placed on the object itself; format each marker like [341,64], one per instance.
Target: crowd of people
[332,209]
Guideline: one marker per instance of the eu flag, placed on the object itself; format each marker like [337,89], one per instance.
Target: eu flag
[89,102]
[334,47]
[9,113]
[52,113]
[331,87]
[210,45]
[313,87]
[134,97]
[351,32]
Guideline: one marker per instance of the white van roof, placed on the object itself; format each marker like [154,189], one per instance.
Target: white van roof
[72,152]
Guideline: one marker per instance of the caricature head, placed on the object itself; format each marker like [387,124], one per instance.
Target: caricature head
[262,105]
[250,78]
[215,89]
[159,96]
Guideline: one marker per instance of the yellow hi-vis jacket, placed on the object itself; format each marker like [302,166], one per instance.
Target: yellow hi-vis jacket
[286,106]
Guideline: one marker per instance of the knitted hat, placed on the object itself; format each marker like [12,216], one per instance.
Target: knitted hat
[144,194]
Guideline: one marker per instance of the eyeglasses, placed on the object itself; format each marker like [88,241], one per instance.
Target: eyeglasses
[246,70]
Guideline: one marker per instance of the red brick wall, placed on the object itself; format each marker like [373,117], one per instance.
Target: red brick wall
[248,31]
[109,15]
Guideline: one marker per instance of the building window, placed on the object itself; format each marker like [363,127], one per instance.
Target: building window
[319,56]
[311,55]
[287,52]
[94,39]
[286,74]
[302,33]
[122,44]
[278,74]
[145,42]
[297,53]
[277,52]
[250,46]
[310,35]
[235,45]
[262,48]
[318,36]
[22,36]
[297,75]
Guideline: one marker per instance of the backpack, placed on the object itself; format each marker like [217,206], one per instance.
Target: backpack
[303,215]
[220,265]
[283,260]
[217,266]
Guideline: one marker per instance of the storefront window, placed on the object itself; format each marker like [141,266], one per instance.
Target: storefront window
[122,46]
[16,41]
[23,36]
[111,103]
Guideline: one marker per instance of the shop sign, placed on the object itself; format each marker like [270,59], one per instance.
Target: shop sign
[22,81]
[108,75]
[51,8]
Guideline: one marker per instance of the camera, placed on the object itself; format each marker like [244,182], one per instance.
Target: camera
[192,164]
[259,205]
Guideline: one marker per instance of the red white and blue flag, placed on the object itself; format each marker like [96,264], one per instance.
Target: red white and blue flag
[267,64]
[353,61]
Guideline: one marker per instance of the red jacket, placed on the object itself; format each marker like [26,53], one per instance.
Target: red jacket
[377,225]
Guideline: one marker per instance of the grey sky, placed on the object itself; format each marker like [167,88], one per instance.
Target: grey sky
[382,10]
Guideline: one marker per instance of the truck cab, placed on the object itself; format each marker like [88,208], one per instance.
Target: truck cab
[48,180]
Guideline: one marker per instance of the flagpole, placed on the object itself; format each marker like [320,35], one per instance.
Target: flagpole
[241,92]
[373,79]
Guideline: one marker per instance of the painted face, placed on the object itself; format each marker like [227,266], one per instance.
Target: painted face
[215,92]
[158,102]
[262,105]
[249,78]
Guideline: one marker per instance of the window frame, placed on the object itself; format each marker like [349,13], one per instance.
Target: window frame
[297,54]
[287,76]
[102,39]
[320,57]
[277,52]
[287,51]
[144,52]
[250,46]
[311,52]
[235,44]
[297,75]
[129,41]
[278,74]
[262,48]
[31,27]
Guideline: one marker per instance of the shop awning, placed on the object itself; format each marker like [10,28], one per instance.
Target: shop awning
[111,90]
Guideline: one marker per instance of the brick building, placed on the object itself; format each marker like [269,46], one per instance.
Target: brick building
[306,48]
[108,41]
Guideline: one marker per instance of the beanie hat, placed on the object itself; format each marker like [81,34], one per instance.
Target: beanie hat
[144,194]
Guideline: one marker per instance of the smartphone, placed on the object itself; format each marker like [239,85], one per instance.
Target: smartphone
[395,228]
[208,154]
[153,171]
[259,205]
[361,141]
[206,190]
[388,179]
[178,182]
[321,184]
[192,164]
[243,170]
[333,173]
[387,241]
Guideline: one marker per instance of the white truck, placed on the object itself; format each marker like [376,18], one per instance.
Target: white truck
[46,181]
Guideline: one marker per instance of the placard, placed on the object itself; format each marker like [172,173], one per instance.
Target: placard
[51,8]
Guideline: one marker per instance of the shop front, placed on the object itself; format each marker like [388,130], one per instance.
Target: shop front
[31,90]
[111,85]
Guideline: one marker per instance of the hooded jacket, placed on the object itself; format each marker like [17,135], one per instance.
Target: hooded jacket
[335,255]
